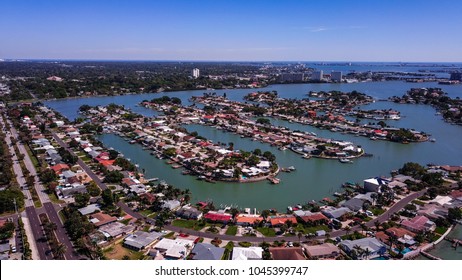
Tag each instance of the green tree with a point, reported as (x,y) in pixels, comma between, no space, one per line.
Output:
(108,198)
(81,199)
(93,189)
(454,214)
(263,121)
(47,176)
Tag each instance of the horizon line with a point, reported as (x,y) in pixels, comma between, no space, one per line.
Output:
(212,60)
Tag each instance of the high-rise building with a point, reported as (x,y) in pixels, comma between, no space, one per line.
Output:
(456,76)
(336,76)
(195,73)
(291,77)
(317,75)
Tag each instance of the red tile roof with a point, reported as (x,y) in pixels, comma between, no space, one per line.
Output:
(218,217)
(59,167)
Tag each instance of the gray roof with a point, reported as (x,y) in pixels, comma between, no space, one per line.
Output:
(371,243)
(366,196)
(73,190)
(171,204)
(354,204)
(141,239)
(90,209)
(205,251)
(335,212)
(68,174)
(93,153)
(4,247)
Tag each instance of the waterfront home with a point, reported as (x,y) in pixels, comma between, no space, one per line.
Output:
(287,253)
(171,204)
(141,240)
(219,217)
(250,253)
(371,245)
(322,251)
(247,219)
(311,218)
(419,224)
(189,212)
(277,221)
(174,249)
(148,197)
(205,251)
(374,184)
(335,213)
(354,204)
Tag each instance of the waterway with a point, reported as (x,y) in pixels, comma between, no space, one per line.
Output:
(314,178)
(445,250)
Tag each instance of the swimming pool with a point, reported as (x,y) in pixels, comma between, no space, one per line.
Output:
(404,251)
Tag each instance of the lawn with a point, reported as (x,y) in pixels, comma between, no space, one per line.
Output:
(441,230)
(32,157)
(314,229)
(418,202)
(228,249)
(268,232)
(147,212)
(377,211)
(232,230)
(117,252)
(170,235)
(192,224)
(55,199)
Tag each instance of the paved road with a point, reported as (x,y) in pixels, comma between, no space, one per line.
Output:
(44,249)
(30,166)
(60,231)
(17,168)
(49,209)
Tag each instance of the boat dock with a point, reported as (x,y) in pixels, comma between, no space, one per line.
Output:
(430,256)
(274,180)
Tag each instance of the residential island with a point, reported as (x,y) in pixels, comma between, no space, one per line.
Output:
(99,205)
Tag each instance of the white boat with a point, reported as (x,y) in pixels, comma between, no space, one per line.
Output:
(345,160)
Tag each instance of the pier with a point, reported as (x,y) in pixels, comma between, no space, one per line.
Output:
(455,242)
(430,256)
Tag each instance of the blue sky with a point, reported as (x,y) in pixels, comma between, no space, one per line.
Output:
(257,30)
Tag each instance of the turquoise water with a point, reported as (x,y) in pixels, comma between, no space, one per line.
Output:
(314,178)
(404,251)
(380,259)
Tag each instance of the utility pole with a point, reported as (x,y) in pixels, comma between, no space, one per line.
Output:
(15,206)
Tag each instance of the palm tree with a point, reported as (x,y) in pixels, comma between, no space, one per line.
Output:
(359,251)
(299,235)
(377,225)
(367,253)
(347,230)
(59,250)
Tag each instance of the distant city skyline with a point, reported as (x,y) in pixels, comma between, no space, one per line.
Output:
(180,30)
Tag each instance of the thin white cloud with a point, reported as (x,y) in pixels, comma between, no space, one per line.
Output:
(315,29)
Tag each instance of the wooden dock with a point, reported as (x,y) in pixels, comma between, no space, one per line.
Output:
(430,256)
